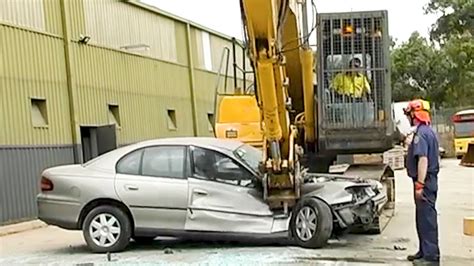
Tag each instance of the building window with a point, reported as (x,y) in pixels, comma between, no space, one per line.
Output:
(210,121)
(39,112)
(207,53)
(114,114)
(172,125)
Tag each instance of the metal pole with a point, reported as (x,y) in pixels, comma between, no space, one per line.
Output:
(191,80)
(304,6)
(226,69)
(244,72)
(234,63)
(77,155)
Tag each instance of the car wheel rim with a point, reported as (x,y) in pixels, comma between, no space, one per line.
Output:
(306,223)
(104,230)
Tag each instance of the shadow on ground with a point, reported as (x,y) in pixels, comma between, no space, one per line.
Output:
(184,244)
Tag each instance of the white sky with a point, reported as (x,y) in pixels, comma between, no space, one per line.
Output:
(405,16)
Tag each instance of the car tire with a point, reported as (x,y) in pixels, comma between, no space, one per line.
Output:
(107,229)
(311,232)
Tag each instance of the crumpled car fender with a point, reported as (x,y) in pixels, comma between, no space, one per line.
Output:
(331,192)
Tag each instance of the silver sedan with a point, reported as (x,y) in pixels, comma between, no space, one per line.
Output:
(187,186)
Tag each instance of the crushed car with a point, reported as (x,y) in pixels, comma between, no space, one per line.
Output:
(183,187)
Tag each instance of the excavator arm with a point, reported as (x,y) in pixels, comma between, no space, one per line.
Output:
(283,87)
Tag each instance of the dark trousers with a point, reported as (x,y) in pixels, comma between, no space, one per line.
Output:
(427,224)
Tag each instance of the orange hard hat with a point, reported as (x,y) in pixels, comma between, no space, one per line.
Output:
(420,109)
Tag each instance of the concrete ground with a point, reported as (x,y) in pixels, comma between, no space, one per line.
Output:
(52,245)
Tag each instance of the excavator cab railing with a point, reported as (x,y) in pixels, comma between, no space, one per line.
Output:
(237,115)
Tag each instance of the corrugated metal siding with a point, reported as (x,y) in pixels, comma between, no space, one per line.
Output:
(20,171)
(76,22)
(27,13)
(131,26)
(143,88)
(217,46)
(181,43)
(205,91)
(52,11)
(33,64)
(34,67)
(197,48)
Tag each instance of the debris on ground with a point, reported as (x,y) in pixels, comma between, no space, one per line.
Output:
(402,240)
(169,251)
(396,247)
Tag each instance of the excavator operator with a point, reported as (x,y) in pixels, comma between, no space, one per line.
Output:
(352,83)
(352,93)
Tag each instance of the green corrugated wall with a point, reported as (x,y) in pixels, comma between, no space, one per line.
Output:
(33,66)
(77,82)
(144,88)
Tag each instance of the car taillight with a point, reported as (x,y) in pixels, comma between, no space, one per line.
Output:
(46,184)
(456,118)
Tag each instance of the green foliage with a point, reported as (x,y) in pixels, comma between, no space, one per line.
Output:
(459,52)
(417,70)
(440,70)
(457,18)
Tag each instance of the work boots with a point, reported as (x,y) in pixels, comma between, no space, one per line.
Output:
(415,256)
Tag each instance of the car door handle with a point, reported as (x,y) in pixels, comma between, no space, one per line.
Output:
(131,187)
(200,192)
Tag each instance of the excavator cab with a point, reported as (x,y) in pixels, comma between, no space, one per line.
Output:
(354,94)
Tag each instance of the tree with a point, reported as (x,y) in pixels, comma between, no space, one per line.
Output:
(417,70)
(454,31)
(459,54)
(457,18)
(440,70)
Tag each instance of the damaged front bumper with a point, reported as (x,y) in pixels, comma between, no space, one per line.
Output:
(354,203)
(363,210)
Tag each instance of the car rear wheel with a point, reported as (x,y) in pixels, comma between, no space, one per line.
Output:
(107,229)
(311,223)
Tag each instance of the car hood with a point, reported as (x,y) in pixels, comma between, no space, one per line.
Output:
(332,192)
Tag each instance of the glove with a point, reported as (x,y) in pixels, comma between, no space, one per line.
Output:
(419,190)
(419,185)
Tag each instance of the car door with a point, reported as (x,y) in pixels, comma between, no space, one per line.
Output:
(153,184)
(223,196)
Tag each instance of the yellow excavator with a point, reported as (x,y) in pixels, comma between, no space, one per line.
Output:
(299,121)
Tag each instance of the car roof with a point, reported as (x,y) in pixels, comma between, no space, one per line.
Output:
(209,142)
(107,161)
(465,112)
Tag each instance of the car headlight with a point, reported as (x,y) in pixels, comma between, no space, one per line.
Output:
(379,186)
(370,192)
(376,185)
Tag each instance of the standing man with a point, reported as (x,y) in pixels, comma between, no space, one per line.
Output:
(423,168)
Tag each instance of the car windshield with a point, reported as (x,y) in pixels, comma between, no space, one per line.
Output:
(249,155)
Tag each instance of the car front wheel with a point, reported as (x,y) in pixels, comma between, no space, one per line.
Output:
(311,223)
(107,229)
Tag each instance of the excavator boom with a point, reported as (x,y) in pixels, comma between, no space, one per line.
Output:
(273,35)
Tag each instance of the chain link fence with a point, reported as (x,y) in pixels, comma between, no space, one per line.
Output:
(443,125)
